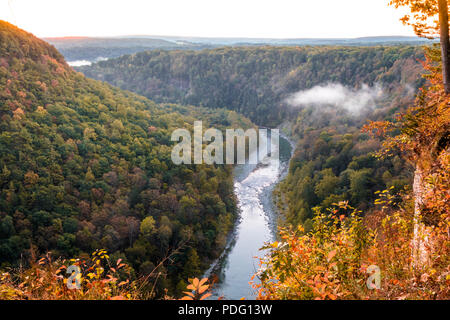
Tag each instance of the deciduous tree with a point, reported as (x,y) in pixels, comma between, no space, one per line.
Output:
(429,18)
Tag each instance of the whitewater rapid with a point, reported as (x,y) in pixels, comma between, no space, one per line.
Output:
(253,188)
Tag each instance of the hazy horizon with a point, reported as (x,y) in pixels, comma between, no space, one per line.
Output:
(225,37)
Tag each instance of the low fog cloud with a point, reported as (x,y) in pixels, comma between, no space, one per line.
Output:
(336,95)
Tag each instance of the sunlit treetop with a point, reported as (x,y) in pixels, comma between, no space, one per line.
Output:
(424,16)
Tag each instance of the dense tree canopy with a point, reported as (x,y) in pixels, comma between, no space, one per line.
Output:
(254,81)
(84,166)
(333,159)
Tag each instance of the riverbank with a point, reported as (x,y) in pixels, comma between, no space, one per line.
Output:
(255,225)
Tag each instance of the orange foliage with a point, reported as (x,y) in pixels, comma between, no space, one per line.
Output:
(423,17)
(46,279)
(198,289)
(336,258)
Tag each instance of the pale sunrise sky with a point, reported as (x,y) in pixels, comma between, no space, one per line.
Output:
(206,18)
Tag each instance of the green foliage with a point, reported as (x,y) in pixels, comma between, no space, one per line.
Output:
(335,161)
(255,81)
(85,165)
(147,226)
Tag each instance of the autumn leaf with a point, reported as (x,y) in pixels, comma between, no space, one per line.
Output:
(202,289)
(205,296)
(190,287)
(203,281)
(189,293)
(331,255)
(195,282)
(123,283)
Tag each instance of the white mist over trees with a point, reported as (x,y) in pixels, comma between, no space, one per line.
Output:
(337,95)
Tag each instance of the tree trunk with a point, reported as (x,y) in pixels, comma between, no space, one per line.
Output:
(421,241)
(445,43)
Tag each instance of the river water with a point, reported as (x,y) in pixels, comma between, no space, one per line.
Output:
(256,225)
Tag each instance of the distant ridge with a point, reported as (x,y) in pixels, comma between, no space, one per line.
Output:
(299,41)
(94,49)
(98,48)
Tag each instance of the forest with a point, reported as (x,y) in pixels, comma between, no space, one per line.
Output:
(87,179)
(333,159)
(255,81)
(85,166)
(348,199)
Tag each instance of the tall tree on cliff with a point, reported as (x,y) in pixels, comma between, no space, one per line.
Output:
(426,127)
(429,18)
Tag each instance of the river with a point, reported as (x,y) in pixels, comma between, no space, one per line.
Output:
(256,224)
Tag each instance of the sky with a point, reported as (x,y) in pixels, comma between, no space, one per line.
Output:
(206,18)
